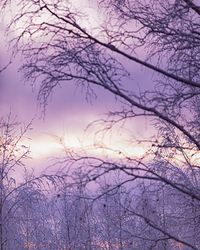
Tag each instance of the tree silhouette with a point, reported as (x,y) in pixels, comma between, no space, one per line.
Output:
(164,39)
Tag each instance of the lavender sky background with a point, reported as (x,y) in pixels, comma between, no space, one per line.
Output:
(68,112)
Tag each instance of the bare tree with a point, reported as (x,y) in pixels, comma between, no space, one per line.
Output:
(12,153)
(22,194)
(161,36)
(73,216)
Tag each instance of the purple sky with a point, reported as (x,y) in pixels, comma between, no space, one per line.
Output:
(68,112)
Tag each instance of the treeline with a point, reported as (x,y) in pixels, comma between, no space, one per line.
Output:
(84,207)
(68,218)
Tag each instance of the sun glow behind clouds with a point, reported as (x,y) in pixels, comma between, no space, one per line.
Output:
(43,147)
(50,146)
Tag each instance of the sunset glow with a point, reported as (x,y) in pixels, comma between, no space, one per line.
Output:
(48,146)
